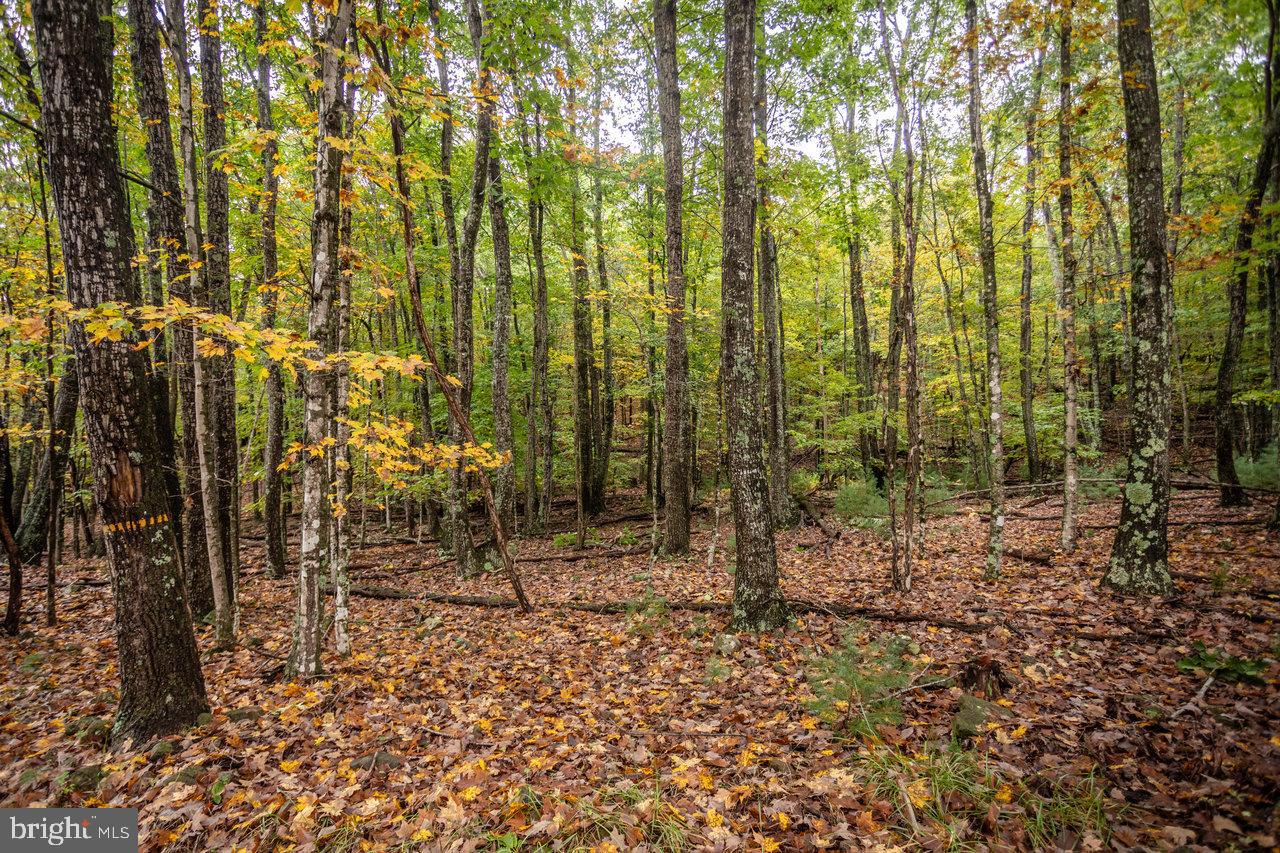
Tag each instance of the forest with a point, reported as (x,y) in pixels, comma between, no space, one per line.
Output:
(669,425)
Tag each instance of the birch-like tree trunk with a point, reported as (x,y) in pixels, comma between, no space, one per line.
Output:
(304,658)
(1067,292)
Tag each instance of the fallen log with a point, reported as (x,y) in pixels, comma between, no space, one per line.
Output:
(797,605)
(807,507)
(1044,558)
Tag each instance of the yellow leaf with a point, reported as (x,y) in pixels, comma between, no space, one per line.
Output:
(289,766)
(714,818)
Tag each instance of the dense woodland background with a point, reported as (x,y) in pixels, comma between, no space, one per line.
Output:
(961,318)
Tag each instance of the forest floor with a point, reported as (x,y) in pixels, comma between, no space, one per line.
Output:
(1115,723)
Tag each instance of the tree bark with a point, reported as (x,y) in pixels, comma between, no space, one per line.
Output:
(541,411)
(583,347)
(1025,377)
(785,511)
(1067,293)
(604,416)
(675,460)
(463,295)
(273,449)
(758,604)
(1139,556)
(503,439)
(1238,294)
(990,308)
(46,487)
(304,658)
(188,286)
(162,688)
(219,369)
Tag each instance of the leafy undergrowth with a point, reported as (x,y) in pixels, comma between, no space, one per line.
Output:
(480,728)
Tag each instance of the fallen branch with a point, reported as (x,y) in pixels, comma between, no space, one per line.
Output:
(1194,700)
(585,555)
(807,507)
(382,592)
(1044,558)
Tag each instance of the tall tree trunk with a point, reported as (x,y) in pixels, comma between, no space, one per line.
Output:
(863,369)
(503,439)
(1139,557)
(780,500)
(889,416)
(162,688)
(463,292)
(339,428)
(541,418)
(675,460)
(913,515)
(273,449)
(758,604)
(600,474)
(304,658)
(188,286)
(1237,292)
(583,347)
(46,487)
(990,308)
(1067,293)
(219,369)
(1025,377)
(164,221)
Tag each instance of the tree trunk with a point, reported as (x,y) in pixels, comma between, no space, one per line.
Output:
(541,404)
(990,308)
(785,511)
(273,450)
(1067,293)
(758,604)
(304,658)
(604,418)
(1025,378)
(463,292)
(186,284)
(219,369)
(503,439)
(1237,293)
(1139,557)
(583,348)
(46,487)
(675,461)
(164,221)
(162,688)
